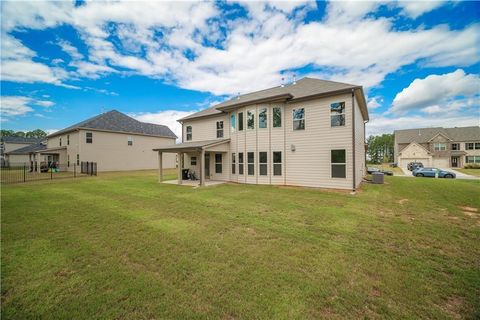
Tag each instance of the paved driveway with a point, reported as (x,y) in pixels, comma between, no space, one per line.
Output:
(460,175)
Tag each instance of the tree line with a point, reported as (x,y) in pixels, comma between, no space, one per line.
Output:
(37,133)
(380,148)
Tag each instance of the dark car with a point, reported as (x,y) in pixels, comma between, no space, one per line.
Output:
(414,165)
(371,170)
(432,172)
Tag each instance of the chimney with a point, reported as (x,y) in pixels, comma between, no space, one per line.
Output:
(294,79)
(283,82)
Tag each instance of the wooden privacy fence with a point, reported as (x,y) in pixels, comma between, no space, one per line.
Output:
(33,171)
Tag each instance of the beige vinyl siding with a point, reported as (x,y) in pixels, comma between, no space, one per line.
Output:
(206,128)
(309,164)
(8,147)
(359,145)
(18,159)
(112,153)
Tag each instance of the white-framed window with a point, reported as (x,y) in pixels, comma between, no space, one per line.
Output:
(232,122)
(251,119)
(218,163)
(240,121)
(89,137)
(189,132)
(240,163)
(130,140)
(277,163)
(219,129)
(477,146)
(469,146)
(440,146)
(338,163)
(193,161)
(337,114)
(233,163)
(455,146)
(472,159)
(262,118)
(298,119)
(251,163)
(263,163)
(277,117)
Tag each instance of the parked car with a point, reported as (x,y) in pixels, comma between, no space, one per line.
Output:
(371,170)
(431,172)
(414,165)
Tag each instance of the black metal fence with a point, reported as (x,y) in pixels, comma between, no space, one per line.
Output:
(33,171)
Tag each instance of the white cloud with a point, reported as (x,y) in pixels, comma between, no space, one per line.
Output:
(436,90)
(168,118)
(12,106)
(374,102)
(414,9)
(15,105)
(349,45)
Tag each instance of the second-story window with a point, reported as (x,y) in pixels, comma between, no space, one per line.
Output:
(262,118)
(130,140)
(219,129)
(440,146)
(89,137)
(240,121)
(455,146)
(277,117)
(251,119)
(189,133)
(68,139)
(299,119)
(60,141)
(232,122)
(337,114)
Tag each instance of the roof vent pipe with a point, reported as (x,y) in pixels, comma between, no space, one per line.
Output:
(283,82)
(294,79)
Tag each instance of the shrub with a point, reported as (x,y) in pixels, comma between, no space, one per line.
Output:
(472,166)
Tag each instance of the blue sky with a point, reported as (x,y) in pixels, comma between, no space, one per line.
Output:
(159,61)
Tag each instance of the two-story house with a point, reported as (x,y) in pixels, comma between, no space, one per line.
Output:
(307,133)
(437,147)
(10,149)
(115,141)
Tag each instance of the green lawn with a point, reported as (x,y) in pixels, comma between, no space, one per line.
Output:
(122,246)
(473,172)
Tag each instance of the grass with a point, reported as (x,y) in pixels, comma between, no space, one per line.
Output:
(472,172)
(124,246)
(397,171)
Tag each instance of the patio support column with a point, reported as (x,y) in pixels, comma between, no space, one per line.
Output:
(160,167)
(202,168)
(180,167)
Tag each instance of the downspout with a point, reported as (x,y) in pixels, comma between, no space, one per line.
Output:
(364,144)
(353,141)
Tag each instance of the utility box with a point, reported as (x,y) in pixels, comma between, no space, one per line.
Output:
(377,177)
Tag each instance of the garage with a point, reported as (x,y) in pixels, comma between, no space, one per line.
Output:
(441,163)
(405,161)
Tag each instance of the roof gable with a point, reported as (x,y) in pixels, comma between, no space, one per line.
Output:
(414,144)
(118,122)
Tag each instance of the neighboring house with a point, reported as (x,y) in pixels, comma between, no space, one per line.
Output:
(308,133)
(437,147)
(10,144)
(113,140)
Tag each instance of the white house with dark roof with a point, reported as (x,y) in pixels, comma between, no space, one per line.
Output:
(437,147)
(307,133)
(115,141)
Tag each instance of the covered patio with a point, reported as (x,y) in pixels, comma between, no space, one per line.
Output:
(199,154)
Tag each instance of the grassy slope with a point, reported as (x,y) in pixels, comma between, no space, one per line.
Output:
(473,172)
(126,247)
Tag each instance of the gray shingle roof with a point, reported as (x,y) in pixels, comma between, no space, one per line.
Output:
(21,140)
(29,149)
(116,121)
(423,135)
(303,88)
